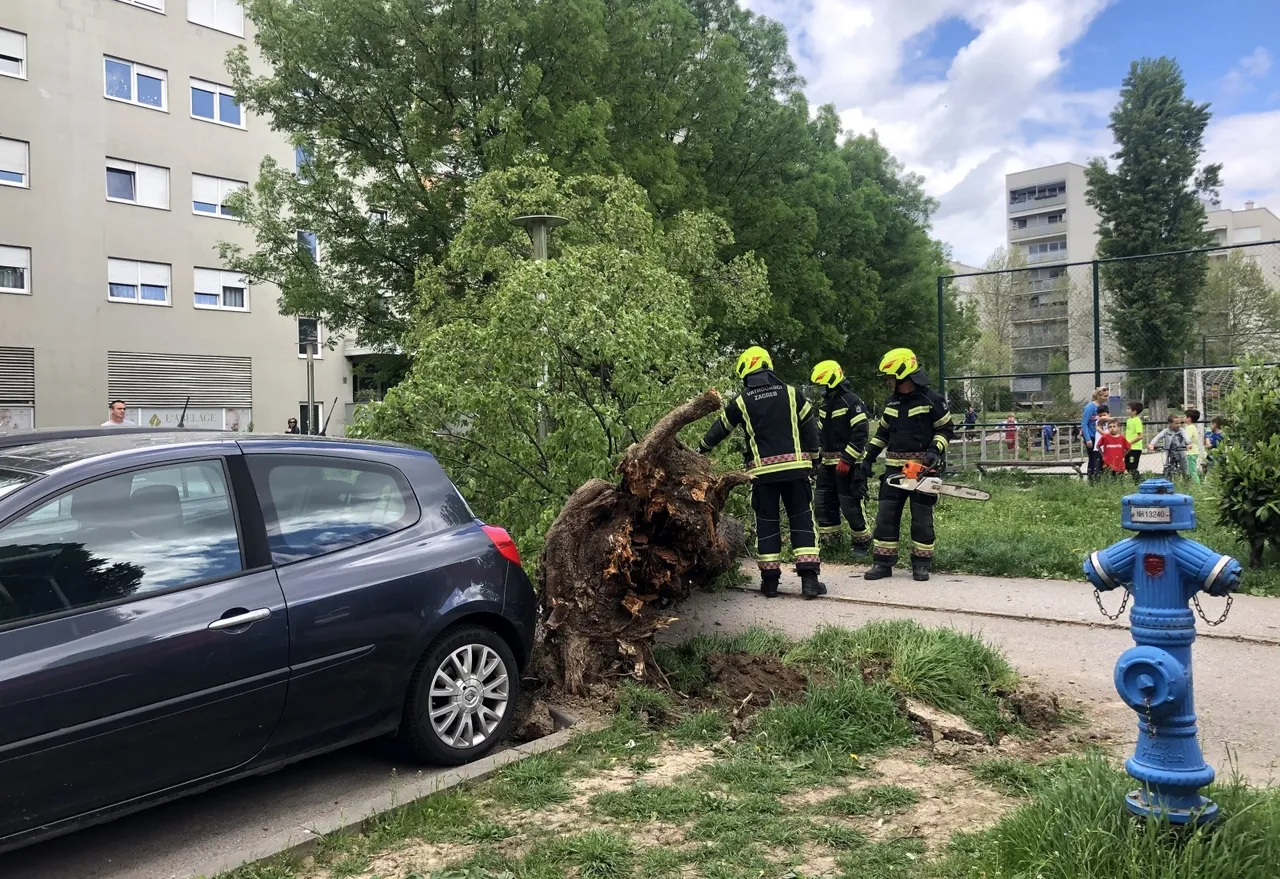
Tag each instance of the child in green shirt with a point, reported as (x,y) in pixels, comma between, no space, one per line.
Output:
(1195,442)
(1133,434)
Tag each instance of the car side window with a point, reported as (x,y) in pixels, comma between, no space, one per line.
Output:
(124,535)
(318,505)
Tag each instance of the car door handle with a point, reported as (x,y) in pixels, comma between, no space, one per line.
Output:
(241,619)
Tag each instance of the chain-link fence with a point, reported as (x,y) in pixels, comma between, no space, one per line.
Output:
(1167,329)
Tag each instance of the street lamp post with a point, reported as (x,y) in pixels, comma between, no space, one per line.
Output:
(538,226)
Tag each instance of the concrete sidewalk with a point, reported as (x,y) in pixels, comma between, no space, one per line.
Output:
(1052,632)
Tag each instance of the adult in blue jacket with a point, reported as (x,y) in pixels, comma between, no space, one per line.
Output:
(1089,431)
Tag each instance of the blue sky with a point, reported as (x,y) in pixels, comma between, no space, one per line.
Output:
(965,91)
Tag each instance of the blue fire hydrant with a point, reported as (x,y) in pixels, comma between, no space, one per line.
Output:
(1162,571)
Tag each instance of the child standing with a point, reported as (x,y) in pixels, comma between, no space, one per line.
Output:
(1213,439)
(1174,443)
(1195,442)
(1133,435)
(1113,447)
(1047,432)
(1011,432)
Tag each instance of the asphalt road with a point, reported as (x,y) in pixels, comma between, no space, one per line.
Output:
(1052,632)
(214,829)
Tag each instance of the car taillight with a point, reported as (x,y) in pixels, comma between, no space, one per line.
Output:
(502,540)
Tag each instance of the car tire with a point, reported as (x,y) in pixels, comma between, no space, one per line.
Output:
(462,697)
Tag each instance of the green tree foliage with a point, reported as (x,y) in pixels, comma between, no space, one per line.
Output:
(402,105)
(529,378)
(1151,203)
(1248,469)
(1238,314)
(992,302)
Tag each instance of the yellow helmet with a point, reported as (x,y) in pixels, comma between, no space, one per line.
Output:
(827,373)
(752,359)
(899,363)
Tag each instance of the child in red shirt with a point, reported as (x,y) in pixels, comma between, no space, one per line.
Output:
(1113,446)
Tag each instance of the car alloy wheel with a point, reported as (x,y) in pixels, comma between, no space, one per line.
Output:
(470,696)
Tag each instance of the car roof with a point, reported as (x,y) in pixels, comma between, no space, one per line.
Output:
(45,450)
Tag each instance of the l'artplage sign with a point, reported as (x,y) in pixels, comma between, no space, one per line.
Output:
(194,419)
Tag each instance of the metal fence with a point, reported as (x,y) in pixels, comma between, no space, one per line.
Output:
(1167,329)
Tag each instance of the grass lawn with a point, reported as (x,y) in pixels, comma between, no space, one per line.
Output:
(829,782)
(1045,526)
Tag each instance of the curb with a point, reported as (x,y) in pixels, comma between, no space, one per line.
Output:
(302,840)
(998,615)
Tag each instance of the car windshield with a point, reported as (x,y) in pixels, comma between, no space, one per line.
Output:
(12,480)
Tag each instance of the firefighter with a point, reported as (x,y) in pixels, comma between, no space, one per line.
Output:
(842,423)
(782,452)
(915,426)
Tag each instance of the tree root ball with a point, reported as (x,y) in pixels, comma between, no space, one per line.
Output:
(619,558)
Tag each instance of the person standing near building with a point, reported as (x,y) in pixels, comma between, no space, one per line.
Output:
(914,426)
(782,452)
(115,415)
(292,426)
(843,425)
(1133,435)
(1089,430)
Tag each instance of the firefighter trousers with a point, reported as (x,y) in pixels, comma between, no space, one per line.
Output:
(766,500)
(884,547)
(838,495)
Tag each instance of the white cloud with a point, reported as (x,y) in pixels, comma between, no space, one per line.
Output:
(999,106)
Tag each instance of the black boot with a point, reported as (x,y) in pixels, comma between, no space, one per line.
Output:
(860,549)
(769,583)
(920,568)
(809,585)
(879,570)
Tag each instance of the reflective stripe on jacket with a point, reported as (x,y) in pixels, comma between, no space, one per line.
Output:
(780,427)
(910,425)
(843,424)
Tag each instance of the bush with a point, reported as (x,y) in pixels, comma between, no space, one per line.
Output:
(1248,470)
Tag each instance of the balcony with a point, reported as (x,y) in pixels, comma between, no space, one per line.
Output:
(1040,230)
(1051,256)
(355,348)
(1055,311)
(1037,204)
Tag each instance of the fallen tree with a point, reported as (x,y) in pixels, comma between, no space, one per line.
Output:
(620,557)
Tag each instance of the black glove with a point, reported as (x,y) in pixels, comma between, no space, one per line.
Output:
(867,467)
(931,459)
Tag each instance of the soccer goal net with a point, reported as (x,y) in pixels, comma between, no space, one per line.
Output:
(1207,389)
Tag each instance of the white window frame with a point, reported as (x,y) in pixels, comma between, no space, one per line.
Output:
(137,264)
(25,148)
(137,169)
(8,37)
(149,5)
(298,237)
(225,188)
(215,7)
(223,279)
(134,69)
(218,91)
(25,255)
(319,355)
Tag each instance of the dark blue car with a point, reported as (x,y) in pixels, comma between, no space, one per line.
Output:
(178,610)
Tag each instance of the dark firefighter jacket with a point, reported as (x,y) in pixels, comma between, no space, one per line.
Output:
(911,425)
(842,421)
(782,432)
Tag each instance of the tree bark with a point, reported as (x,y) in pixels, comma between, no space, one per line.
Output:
(619,558)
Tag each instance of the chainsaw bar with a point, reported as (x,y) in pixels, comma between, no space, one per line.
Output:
(935,486)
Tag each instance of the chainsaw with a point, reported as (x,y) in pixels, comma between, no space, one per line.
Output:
(914,477)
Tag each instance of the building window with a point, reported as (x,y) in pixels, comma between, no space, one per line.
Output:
(135,84)
(13,54)
(307,242)
(209,195)
(215,103)
(309,334)
(153,5)
(136,183)
(146,283)
(301,160)
(221,15)
(14,162)
(376,215)
(15,269)
(221,290)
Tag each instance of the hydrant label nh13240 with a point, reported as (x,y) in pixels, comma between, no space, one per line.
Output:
(1161,515)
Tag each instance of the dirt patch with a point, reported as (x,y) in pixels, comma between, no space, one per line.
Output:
(1036,708)
(419,857)
(754,681)
(816,862)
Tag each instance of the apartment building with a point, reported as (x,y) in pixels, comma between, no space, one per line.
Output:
(1052,225)
(120,141)
(1247,226)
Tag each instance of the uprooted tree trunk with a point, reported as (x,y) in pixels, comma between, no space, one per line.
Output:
(620,557)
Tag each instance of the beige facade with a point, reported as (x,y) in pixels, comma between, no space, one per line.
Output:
(96,318)
(1244,227)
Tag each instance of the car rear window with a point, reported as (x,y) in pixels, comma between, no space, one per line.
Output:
(318,505)
(12,480)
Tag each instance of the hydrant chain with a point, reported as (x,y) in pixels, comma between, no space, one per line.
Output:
(1124,602)
(1195,599)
